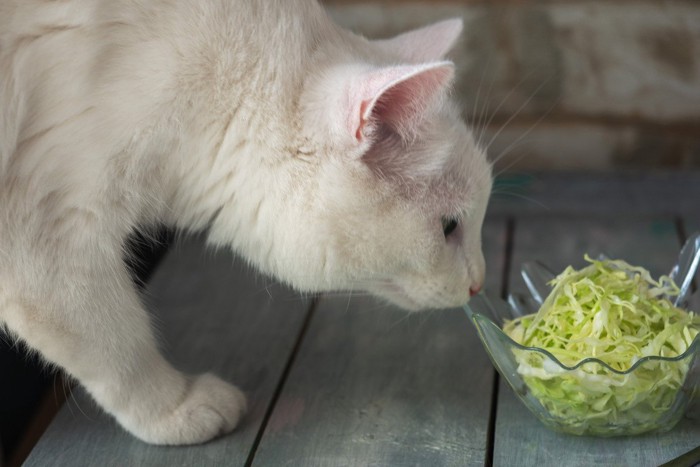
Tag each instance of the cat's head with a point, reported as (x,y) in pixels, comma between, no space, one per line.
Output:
(402,185)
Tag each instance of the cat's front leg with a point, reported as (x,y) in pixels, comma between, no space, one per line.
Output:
(104,339)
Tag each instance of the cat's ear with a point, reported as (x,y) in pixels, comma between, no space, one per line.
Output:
(397,96)
(428,43)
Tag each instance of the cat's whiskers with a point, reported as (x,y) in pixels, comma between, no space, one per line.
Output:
(267,289)
(425,316)
(517,112)
(513,144)
(476,114)
(347,304)
(504,99)
(523,197)
(486,113)
(481,118)
(400,321)
(69,395)
(67,388)
(354,294)
(481,131)
(55,387)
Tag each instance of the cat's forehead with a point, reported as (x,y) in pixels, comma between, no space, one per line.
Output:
(461,189)
(465,171)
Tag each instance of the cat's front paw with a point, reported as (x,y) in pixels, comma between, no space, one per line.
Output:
(210,408)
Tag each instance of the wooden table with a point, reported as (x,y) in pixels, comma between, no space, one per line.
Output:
(338,380)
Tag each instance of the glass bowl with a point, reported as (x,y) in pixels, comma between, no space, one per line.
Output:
(608,407)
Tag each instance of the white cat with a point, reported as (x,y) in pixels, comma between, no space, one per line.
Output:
(327,160)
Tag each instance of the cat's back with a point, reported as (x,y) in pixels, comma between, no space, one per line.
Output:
(127,58)
(43,53)
(66,61)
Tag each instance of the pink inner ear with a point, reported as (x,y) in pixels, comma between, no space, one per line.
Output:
(399,96)
(364,114)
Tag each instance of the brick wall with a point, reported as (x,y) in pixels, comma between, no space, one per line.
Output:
(568,84)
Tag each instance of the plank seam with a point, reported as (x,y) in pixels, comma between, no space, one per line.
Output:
(507,260)
(283,379)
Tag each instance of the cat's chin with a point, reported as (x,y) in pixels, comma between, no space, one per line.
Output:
(396,295)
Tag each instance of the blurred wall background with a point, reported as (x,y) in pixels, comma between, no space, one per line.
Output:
(566,84)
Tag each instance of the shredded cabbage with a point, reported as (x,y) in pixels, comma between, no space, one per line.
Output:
(616,313)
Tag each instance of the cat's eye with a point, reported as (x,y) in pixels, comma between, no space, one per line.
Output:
(449,224)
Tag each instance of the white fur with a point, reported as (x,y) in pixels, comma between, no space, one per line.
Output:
(258,120)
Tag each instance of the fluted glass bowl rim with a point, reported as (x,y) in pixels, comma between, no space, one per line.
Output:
(535,275)
(475,315)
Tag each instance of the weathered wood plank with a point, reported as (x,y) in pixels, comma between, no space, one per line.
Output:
(214,315)
(520,439)
(375,386)
(556,193)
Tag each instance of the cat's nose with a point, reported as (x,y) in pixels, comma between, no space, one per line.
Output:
(474,289)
